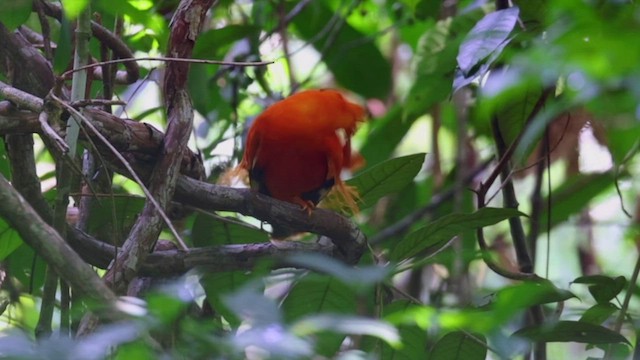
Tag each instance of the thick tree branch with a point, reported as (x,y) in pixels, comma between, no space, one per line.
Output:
(49,245)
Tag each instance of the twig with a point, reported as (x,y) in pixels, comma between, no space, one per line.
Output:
(167,59)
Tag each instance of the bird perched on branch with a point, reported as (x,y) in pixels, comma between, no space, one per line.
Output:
(297,148)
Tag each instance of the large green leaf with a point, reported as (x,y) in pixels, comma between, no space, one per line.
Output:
(14,12)
(386,178)
(522,296)
(112,217)
(571,331)
(598,313)
(353,58)
(438,233)
(315,294)
(386,133)
(459,345)
(208,230)
(603,288)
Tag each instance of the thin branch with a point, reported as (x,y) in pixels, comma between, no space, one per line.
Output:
(167,59)
(186,25)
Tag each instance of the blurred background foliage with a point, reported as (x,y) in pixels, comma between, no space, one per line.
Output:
(559,79)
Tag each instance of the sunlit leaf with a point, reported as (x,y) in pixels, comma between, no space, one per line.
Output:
(386,178)
(73,8)
(527,294)
(438,233)
(571,331)
(9,240)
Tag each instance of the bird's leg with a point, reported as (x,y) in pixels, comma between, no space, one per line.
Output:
(307,205)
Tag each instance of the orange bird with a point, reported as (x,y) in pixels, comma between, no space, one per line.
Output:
(297,148)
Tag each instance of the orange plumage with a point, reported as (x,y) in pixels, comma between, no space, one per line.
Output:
(294,151)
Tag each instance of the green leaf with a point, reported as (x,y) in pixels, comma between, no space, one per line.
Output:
(348,325)
(213,44)
(386,133)
(603,288)
(208,230)
(438,233)
(489,35)
(216,284)
(353,58)
(14,12)
(571,331)
(10,240)
(386,178)
(73,8)
(522,296)
(111,218)
(458,345)
(315,294)
(598,313)
(435,63)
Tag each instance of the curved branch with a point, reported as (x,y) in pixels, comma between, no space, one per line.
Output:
(119,48)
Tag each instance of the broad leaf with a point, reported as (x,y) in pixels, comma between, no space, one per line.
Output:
(527,294)
(458,345)
(386,178)
(208,230)
(315,294)
(571,331)
(437,234)
(598,313)
(603,288)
